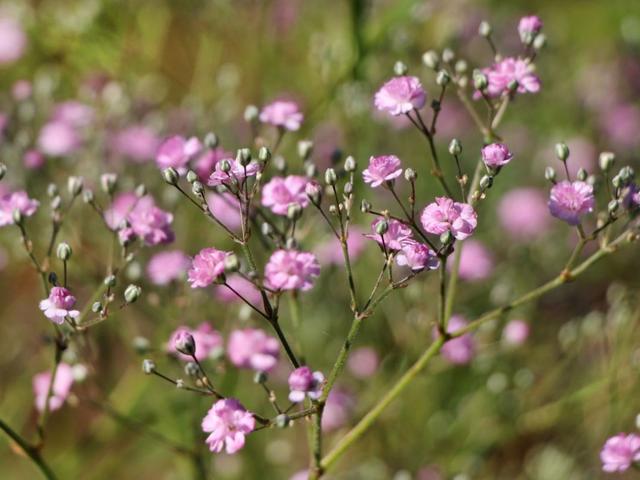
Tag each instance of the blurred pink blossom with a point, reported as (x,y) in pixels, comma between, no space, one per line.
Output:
(136,142)
(460,350)
(476,261)
(620,452)
(330,250)
(20,201)
(165,267)
(283,114)
(207,266)
(280,192)
(253,349)
(524,214)
(13,40)
(400,95)
(363,362)
(59,392)
(515,332)
(58,139)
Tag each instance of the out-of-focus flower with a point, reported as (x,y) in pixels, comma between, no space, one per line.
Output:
(281,192)
(136,142)
(515,332)
(476,261)
(254,349)
(363,362)
(291,270)
(417,256)
(330,251)
(400,95)
(21,90)
(460,350)
(58,139)
(496,155)
(382,169)
(205,164)
(502,74)
(528,28)
(569,201)
(20,201)
(227,422)
(446,215)
(207,340)
(176,152)
(394,236)
(73,113)
(206,267)
(241,285)
(164,267)
(59,391)
(337,410)
(282,114)
(237,172)
(59,305)
(32,159)
(303,382)
(120,209)
(226,208)
(524,214)
(151,223)
(620,452)
(13,40)
(621,124)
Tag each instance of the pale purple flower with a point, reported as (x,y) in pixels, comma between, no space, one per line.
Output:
(569,201)
(238,172)
(496,155)
(73,113)
(515,332)
(32,159)
(20,201)
(291,270)
(227,422)
(176,152)
(206,267)
(501,74)
(207,340)
(283,114)
(120,209)
(447,215)
(305,383)
(400,95)
(476,261)
(382,169)
(528,28)
(337,410)
(330,250)
(241,285)
(151,223)
(205,164)
(136,142)
(253,349)
(165,267)
(363,362)
(58,139)
(59,392)
(524,214)
(21,90)
(631,196)
(226,208)
(417,256)
(396,234)
(459,350)
(620,452)
(59,305)
(281,192)
(621,123)
(13,40)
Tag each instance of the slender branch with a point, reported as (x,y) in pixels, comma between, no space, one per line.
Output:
(29,450)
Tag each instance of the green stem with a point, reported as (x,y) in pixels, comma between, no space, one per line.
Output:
(30,451)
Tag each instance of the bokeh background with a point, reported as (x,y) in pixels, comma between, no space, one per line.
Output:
(539,411)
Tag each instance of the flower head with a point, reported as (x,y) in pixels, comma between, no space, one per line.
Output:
(417,256)
(496,155)
(281,192)
(254,349)
(569,201)
(382,169)
(165,267)
(291,270)
(523,213)
(206,267)
(227,422)
(207,341)
(620,452)
(303,382)
(13,40)
(59,391)
(205,164)
(515,332)
(446,215)
(73,113)
(460,350)
(476,261)
(58,139)
(59,305)
(136,142)
(501,75)
(176,152)
(528,28)
(395,235)
(237,172)
(19,201)
(283,114)
(150,223)
(400,95)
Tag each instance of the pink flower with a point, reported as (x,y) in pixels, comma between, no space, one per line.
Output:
(176,152)
(291,270)
(621,123)
(150,223)
(13,40)
(120,209)
(73,113)
(21,90)
(16,201)
(282,114)
(237,172)
(227,422)
(460,350)
(400,95)
(136,142)
(32,159)
(60,390)
(58,139)
(501,74)
(496,155)
(523,213)
(254,349)
(244,287)
(206,267)
(205,164)
(207,340)
(620,452)
(363,362)
(396,234)
(226,208)
(528,28)
(382,169)
(337,410)
(164,267)
(59,305)
(281,192)
(303,382)
(446,215)
(515,332)
(476,261)
(330,250)
(570,201)
(417,256)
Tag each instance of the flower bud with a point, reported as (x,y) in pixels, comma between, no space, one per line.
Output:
(96,307)
(443,78)
(52,278)
(141,190)
(264,154)
(484,30)
(461,66)
(305,149)
(63,252)
(626,174)
(430,59)
(191,369)
(540,41)
(109,281)
(251,113)
(243,156)
(382,227)
(562,151)
(148,366)
(333,210)
(582,174)
(612,206)
(225,166)
(330,177)
(550,174)
(400,68)
(211,140)
(616,181)
(132,293)
(185,343)
(606,161)
(310,170)
(283,420)
(87,196)
(291,244)
(141,345)
(266,229)
(313,191)
(3,170)
(56,202)
(260,377)
(192,176)
(74,185)
(486,182)
(294,210)
(448,55)
(365,206)
(52,190)
(197,188)
(170,176)
(17,216)
(350,164)
(108,182)
(480,80)
(455,147)
(410,175)
(446,237)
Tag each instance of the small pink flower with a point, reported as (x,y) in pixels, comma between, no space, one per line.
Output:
(330,250)
(400,95)
(291,270)
(236,173)
(509,70)
(282,114)
(528,28)
(417,256)
(32,159)
(303,382)
(151,223)
(73,113)
(396,234)
(460,350)
(136,142)
(281,192)
(13,40)
(515,332)
(382,169)
(253,349)
(227,422)
(16,201)
(58,139)
(120,209)
(570,201)
(496,155)
(337,410)
(226,208)
(363,362)
(205,164)
(176,152)
(59,305)
(523,213)
(241,285)
(446,215)
(206,267)
(165,267)
(60,390)
(207,340)
(620,452)
(21,90)
(476,261)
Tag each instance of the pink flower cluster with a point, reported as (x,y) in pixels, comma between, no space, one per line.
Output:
(503,74)
(496,155)
(177,151)
(446,215)
(207,340)
(305,383)
(291,270)
(253,349)
(570,201)
(400,95)
(282,114)
(417,256)
(236,172)
(281,192)
(19,201)
(145,220)
(59,391)
(207,267)
(136,142)
(59,305)
(620,452)
(166,267)
(528,28)
(397,233)
(382,169)
(227,423)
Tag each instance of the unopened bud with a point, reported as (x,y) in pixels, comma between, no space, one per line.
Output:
(260,377)
(540,41)
(231,263)
(185,343)
(282,420)
(486,182)
(191,369)
(251,113)
(17,216)
(448,55)
(550,174)
(365,206)
(294,210)
(52,190)
(63,252)
(87,196)
(96,307)
(291,244)
(132,293)
(461,66)
(626,174)
(170,176)
(3,170)
(108,182)
(410,175)
(56,202)
(382,227)
(582,174)
(443,78)
(74,185)
(266,229)
(430,59)
(562,151)
(280,164)
(141,190)
(109,281)
(400,68)
(243,156)
(612,207)
(606,161)
(148,366)
(348,188)
(192,176)
(225,165)
(52,278)
(197,188)
(350,164)
(330,177)
(455,147)
(484,30)
(305,149)
(480,80)
(446,237)
(211,140)
(313,191)
(264,154)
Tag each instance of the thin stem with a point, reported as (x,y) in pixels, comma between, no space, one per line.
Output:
(29,450)
(205,378)
(239,295)
(283,340)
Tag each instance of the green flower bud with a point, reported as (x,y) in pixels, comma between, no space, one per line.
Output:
(410,175)
(231,263)
(480,80)
(455,147)
(294,210)
(350,164)
(211,140)
(562,151)
(243,156)
(63,252)
(108,182)
(148,366)
(486,182)
(264,154)
(484,30)
(330,176)
(582,174)
(443,78)
(251,113)
(430,59)
(448,55)
(400,68)
(192,176)
(550,174)
(132,293)
(170,176)
(382,227)
(74,185)
(606,161)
